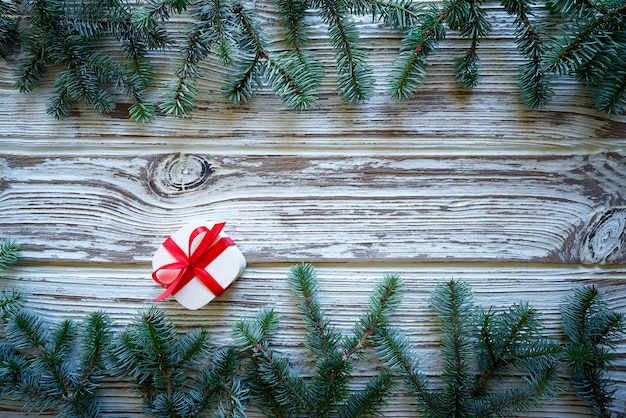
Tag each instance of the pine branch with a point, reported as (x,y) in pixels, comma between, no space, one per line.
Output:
(9,253)
(289,392)
(40,362)
(471,21)
(593,49)
(8,29)
(397,353)
(354,74)
(329,382)
(214,25)
(398,14)
(409,70)
(510,402)
(163,364)
(383,302)
(453,302)
(509,342)
(368,401)
(591,329)
(323,339)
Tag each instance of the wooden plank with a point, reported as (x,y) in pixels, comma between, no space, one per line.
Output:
(553,209)
(69,292)
(441,109)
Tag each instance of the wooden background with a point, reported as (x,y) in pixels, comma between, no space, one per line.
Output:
(472,185)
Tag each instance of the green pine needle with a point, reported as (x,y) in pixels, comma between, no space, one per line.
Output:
(9,253)
(591,328)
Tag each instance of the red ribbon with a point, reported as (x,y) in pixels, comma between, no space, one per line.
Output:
(193,264)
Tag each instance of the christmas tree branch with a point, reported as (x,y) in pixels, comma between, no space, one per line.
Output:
(9,253)
(591,328)
(355,76)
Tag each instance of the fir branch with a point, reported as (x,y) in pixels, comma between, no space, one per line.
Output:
(409,70)
(322,337)
(533,82)
(329,382)
(8,28)
(165,365)
(291,15)
(398,354)
(11,301)
(382,303)
(591,329)
(453,302)
(368,401)
(509,342)
(355,78)
(214,24)
(39,363)
(9,253)
(612,90)
(288,391)
(510,402)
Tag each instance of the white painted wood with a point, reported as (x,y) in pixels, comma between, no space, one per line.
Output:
(68,292)
(523,204)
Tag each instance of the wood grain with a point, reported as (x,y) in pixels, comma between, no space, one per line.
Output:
(523,204)
(68,292)
(441,109)
(283,208)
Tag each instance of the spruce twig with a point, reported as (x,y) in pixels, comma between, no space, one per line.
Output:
(327,392)
(497,343)
(591,328)
(9,253)
(165,366)
(52,367)
(70,38)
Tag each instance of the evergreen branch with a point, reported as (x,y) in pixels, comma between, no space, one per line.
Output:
(39,363)
(96,337)
(322,338)
(292,81)
(11,301)
(354,74)
(587,42)
(27,330)
(291,14)
(328,384)
(472,24)
(383,302)
(8,29)
(511,339)
(591,327)
(9,253)
(409,70)
(397,353)
(368,401)
(214,24)
(401,14)
(220,379)
(453,302)
(513,401)
(285,389)
(32,67)
(612,91)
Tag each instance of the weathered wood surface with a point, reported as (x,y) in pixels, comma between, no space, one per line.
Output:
(522,204)
(552,209)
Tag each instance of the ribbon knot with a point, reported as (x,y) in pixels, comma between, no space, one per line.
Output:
(193,263)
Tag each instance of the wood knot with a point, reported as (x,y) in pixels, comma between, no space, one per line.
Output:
(180,173)
(606,240)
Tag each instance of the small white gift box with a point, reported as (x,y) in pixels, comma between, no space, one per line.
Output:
(196,264)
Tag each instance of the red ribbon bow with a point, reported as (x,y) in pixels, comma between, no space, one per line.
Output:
(193,264)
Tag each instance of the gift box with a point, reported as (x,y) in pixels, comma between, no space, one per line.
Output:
(196,264)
